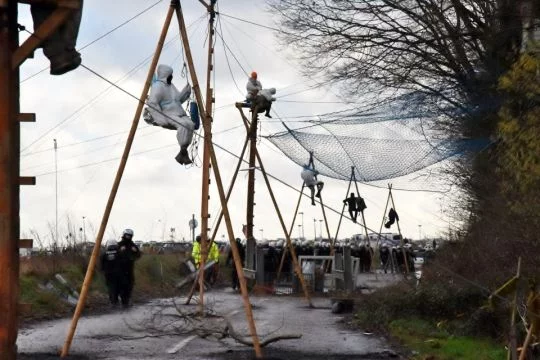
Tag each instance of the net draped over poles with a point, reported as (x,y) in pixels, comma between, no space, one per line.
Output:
(390,141)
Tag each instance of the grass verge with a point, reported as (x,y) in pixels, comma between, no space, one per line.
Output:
(155,277)
(426,341)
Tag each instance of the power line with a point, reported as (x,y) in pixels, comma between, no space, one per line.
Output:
(254,23)
(101,36)
(104,91)
(81,142)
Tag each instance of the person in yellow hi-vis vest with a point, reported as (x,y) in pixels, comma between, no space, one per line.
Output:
(213,255)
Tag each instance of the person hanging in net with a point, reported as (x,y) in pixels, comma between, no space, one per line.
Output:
(392,218)
(259,98)
(309,175)
(165,110)
(352,203)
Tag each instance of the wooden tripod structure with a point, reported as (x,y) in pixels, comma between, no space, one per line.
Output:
(11,57)
(209,159)
(293,254)
(389,200)
(364,225)
(251,139)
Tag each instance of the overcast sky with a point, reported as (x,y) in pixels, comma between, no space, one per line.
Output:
(157,193)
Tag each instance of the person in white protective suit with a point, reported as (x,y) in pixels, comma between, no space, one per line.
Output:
(165,110)
(253,87)
(258,97)
(309,175)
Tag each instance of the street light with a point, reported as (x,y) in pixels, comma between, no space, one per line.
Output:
(320,228)
(315,228)
(302,214)
(299,232)
(262,237)
(419,232)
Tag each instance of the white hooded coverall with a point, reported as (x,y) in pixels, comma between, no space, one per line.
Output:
(308,176)
(167,99)
(253,86)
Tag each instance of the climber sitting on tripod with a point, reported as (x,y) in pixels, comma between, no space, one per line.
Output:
(259,98)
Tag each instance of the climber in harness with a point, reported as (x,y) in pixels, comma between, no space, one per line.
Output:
(165,110)
(351,202)
(392,218)
(309,175)
(259,98)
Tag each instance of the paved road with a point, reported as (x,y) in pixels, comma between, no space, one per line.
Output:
(122,335)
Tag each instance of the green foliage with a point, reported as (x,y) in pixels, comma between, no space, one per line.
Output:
(437,301)
(519,130)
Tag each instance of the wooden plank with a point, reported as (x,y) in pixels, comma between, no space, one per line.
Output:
(27,180)
(27,117)
(26,243)
(53,22)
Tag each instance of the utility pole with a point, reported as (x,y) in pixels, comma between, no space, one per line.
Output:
(320,228)
(55,243)
(206,152)
(9,180)
(11,57)
(315,229)
(250,243)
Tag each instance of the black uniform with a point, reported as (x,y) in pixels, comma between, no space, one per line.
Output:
(351,203)
(128,252)
(113,273)
(235,281)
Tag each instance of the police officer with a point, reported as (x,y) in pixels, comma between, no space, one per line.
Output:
(112,271)
(128,253)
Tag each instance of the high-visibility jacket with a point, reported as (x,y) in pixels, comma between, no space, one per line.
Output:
(196,253)
(213,254)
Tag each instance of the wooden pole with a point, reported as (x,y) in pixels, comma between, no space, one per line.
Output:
(512,346)
(220,217)
(207,125)
(325,221)
(405,261)
(116,184)
(289,246)
(205,246)
(287,235)
(368,240)
(290,231)
(380,231)
(9,181)
(523,354)
(342,212)
(250,239)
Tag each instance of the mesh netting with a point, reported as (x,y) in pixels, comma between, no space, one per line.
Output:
(392,141)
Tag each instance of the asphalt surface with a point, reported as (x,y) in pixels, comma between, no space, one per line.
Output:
(152,331)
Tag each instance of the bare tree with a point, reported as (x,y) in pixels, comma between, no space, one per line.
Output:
(452,52)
